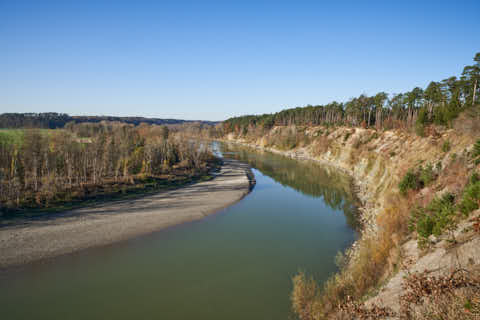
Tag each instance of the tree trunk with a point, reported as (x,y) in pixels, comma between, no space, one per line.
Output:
(474,92)
(369,111)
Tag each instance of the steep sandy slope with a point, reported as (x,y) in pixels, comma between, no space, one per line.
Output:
(377,161)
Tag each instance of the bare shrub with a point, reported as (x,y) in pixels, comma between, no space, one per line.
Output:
(453,296)
(375,257)
(353,310)
(304,297)
(357,278)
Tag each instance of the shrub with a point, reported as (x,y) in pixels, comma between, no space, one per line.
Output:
(304,297)
(476,149)
(420,129)
(409,182)
(421,222)
(434,219)
(356,277)
(446,146)
(443,210)
(341,260)
(471,195)
(426,175)
(417,179)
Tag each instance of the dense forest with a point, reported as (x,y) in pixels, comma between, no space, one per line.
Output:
(439,103)
(53,120)
(41,168)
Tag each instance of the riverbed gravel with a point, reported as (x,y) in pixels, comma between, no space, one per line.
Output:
(99,225)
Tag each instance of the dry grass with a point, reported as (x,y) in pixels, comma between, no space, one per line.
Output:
(321,145)
(455,175)
(305,297)
(374,259)
(377,257)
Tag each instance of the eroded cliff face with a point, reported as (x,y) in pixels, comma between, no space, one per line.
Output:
(377,161)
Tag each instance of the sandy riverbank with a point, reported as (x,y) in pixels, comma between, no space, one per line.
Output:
(105,224)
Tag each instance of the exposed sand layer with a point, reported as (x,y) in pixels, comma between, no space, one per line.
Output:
(105,224)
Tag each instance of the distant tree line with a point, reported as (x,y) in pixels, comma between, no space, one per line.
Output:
(53,120)
(55,165)
(439,103)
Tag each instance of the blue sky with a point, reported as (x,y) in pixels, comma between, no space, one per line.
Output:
(211,60)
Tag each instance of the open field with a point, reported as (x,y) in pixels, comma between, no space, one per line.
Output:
(15,136)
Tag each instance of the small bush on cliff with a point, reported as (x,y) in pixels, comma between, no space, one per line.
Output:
(433,219)
(409,182)
(471,195)
(446,146)
(476,149)
(420,129)
(426,175)
(417,179)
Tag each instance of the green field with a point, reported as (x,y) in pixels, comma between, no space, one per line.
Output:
(15,136)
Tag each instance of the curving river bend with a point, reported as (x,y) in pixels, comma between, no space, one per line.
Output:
(236,264)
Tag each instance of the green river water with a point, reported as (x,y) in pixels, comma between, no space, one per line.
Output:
(236,264)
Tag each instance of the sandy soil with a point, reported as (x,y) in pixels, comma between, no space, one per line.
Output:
(104,224)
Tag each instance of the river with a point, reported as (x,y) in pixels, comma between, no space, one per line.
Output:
(236,264)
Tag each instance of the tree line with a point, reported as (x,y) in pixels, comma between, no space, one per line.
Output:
(439,103)
(53,120)
(55,165)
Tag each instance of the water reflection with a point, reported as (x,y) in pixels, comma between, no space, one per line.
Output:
(307,177)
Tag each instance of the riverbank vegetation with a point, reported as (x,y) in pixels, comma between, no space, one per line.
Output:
(48,169)
(421,151)
(424,189)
